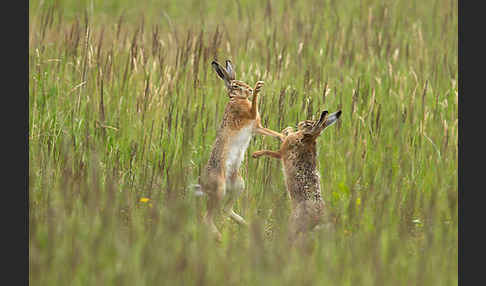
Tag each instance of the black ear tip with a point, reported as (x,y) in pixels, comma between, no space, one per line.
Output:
(338,113)
(214,63)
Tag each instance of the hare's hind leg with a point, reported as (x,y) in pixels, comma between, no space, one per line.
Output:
(236,185)
(298,222)
(294,228)
(304,218)
(215,192)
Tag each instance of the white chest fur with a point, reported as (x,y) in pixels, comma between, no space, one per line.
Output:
(237,148)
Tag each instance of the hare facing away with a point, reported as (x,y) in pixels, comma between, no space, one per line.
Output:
(299,158)
(220,180)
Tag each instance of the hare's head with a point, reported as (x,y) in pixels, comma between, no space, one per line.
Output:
(301,144)
(309,130)
(314,128)
(235,88)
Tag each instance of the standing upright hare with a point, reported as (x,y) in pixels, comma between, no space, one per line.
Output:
(221,179)
(299,157)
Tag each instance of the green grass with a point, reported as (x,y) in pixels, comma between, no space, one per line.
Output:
(123,104)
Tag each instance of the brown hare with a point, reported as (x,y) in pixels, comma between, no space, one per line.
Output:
(298,153)
(220,180)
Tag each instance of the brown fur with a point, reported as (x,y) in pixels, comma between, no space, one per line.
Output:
(298,154)
(221,179)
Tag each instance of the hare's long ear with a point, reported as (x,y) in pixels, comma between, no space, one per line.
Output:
(326,121)
(332,118)
(230,70)
(222,73)
(319,123)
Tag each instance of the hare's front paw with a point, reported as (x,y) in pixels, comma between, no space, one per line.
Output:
(256,154)
(287,131)
(258,86)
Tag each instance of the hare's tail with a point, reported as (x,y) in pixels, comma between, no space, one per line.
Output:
(196,189)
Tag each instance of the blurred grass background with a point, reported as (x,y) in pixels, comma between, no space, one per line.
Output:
(123,105)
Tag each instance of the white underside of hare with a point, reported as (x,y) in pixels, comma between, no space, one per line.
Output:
(236,149)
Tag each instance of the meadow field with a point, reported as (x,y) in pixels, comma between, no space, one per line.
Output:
(124,107)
